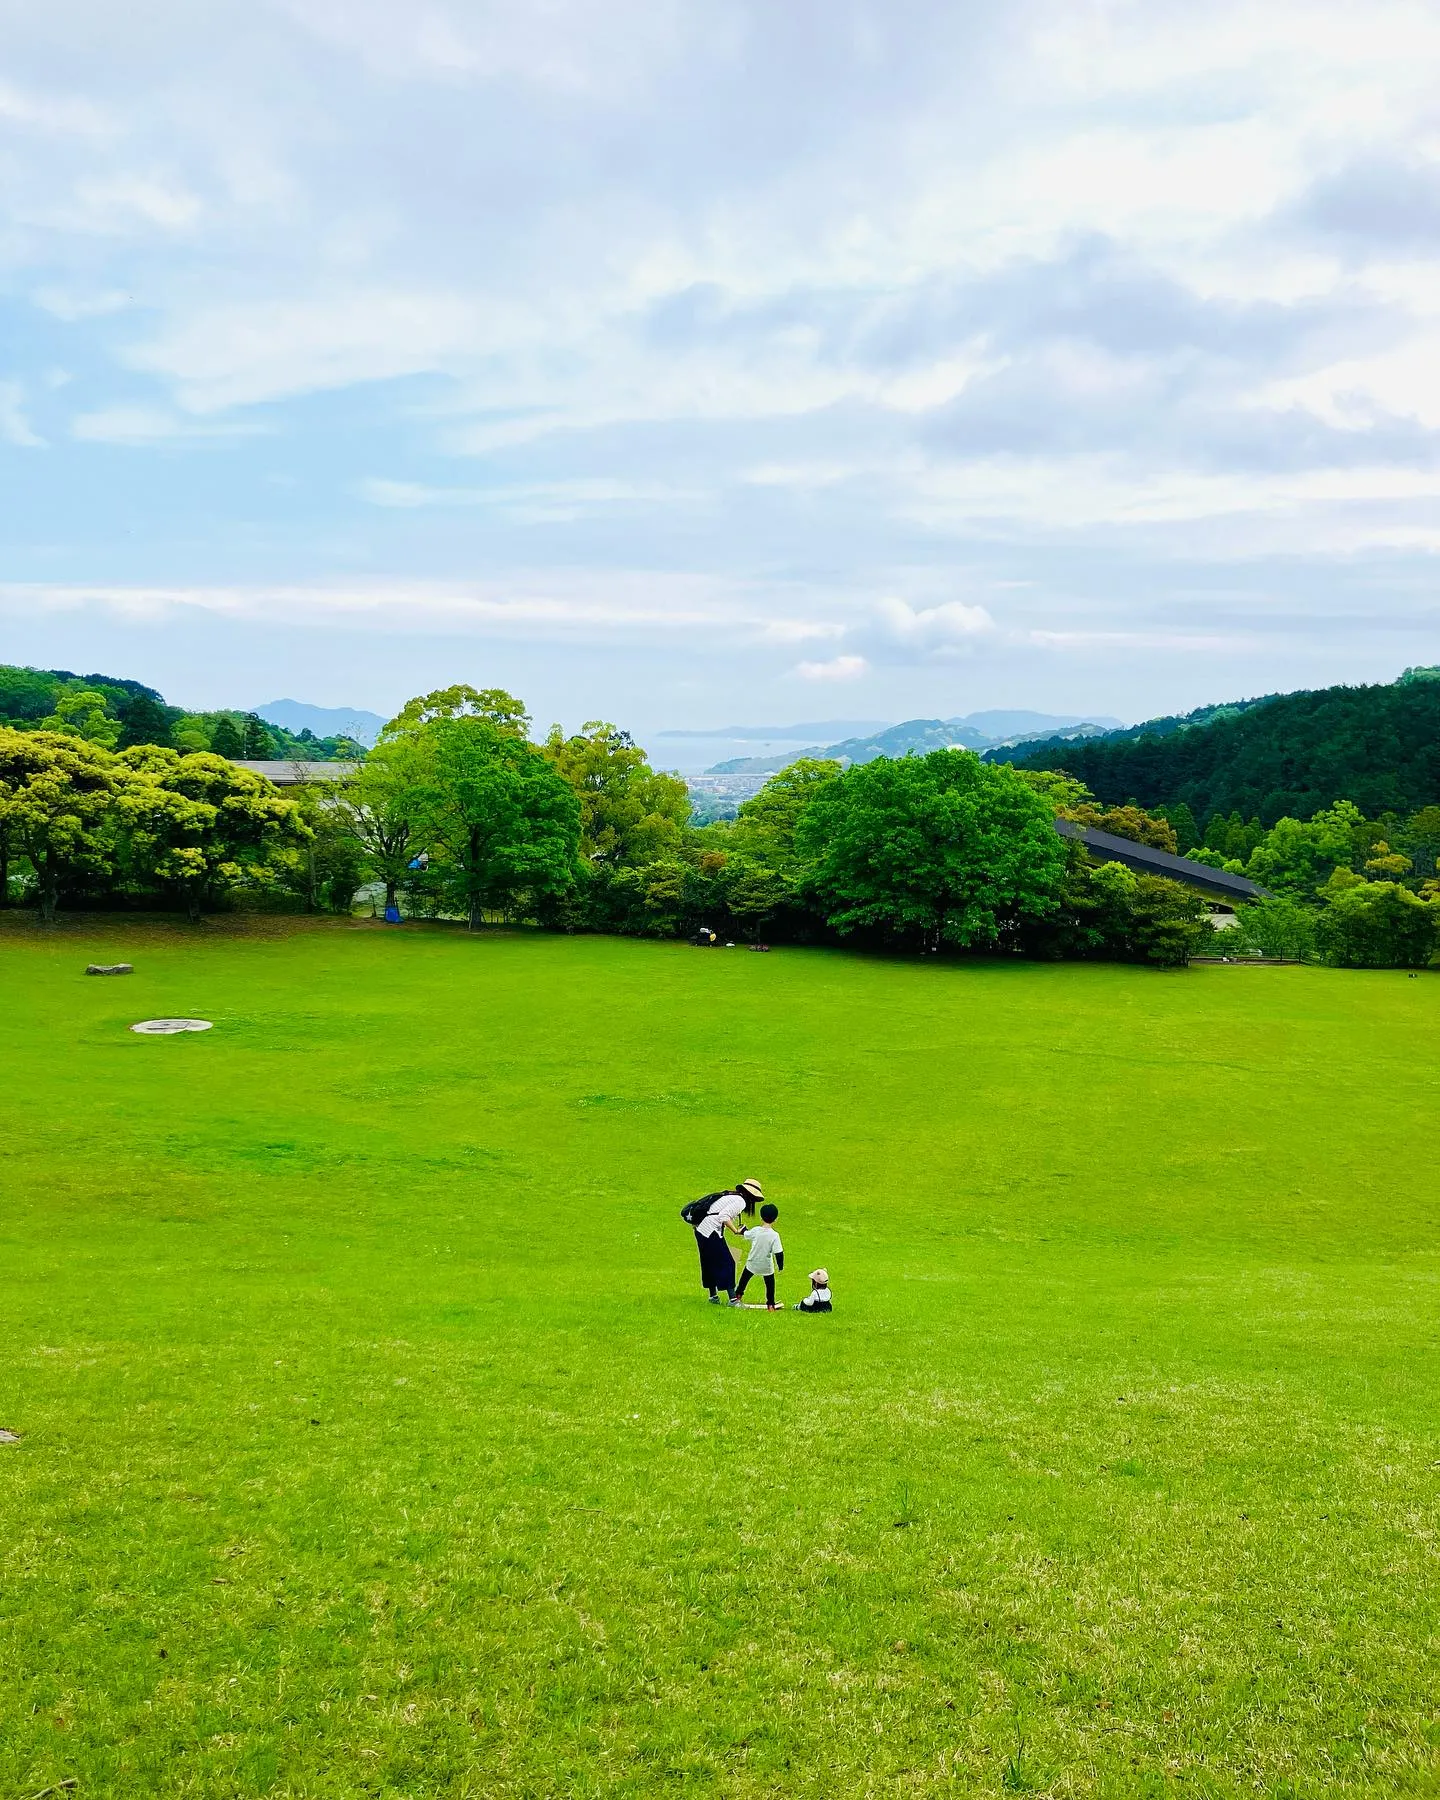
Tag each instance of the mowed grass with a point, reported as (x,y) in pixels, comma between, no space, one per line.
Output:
(377,1438)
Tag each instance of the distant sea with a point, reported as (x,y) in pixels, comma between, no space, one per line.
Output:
(693,755)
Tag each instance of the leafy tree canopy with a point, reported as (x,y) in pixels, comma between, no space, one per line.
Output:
(226,739)
(1379,924)
(630,814)
(765,826)
(383,805)
(204,826)
(57,805)
(146,720)
(501,822)
(943,847)
(80,712)
(462,702)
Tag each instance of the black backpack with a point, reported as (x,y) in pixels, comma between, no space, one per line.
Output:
(694,1211)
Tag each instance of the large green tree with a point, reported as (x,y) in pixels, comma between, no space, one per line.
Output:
(460,702)
(226,740)
(80,712)
(58,796)
(630,814)
(943,848)
(146,720)
(258,741)
(1297,857)
(500,822)
(383,803)
(764,828)
(205,827)
(329,864)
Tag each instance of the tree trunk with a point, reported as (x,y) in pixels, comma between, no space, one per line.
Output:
(192,905)
(4,872)
(49,889)
(391,888)
(477,917)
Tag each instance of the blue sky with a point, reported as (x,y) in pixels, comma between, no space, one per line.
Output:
(682,363)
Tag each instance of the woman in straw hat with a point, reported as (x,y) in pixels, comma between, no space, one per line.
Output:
(717,1265)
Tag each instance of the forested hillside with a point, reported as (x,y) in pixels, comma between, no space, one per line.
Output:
(1285,756)
(120,714)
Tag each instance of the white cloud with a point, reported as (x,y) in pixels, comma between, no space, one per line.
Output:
(15,427)
(535,502)
(60,303)
(150,199)
(839,668)
(625,606)
(64,114)
(139,426)
(911,299)
(934,627)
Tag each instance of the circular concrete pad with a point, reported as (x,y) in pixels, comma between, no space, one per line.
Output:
(167,1027)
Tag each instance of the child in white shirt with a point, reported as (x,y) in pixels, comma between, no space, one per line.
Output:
(818,1299)
(767,1254)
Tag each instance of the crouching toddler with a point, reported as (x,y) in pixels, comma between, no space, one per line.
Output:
(818,1299)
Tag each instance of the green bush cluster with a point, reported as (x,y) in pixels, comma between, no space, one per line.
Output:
(80,822)
(1358,892)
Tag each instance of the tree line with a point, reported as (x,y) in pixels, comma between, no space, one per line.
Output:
(458,813)
(1286,756)
(119,714)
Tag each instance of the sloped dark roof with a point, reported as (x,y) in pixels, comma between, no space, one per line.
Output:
(298,774)
(1237,889)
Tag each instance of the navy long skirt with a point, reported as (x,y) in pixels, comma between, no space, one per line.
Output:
(717,1265)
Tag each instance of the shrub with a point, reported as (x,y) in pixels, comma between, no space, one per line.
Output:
(1277,927)
(1379,925)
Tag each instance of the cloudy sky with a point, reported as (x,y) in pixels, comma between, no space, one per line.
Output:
(689,360)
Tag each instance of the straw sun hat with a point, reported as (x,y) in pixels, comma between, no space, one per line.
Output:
(750,1186)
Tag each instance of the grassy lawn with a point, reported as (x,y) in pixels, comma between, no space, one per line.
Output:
(377,1438)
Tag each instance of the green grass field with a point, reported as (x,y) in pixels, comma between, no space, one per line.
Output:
(377,1438)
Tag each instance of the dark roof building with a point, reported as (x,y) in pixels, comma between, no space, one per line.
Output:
(1218,883)
(298,774)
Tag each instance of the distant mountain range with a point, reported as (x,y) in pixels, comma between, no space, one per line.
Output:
(991,730)
(324,721)
(814,733)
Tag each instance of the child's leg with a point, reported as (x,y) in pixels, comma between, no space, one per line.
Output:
(769,1290)
(744,1283)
